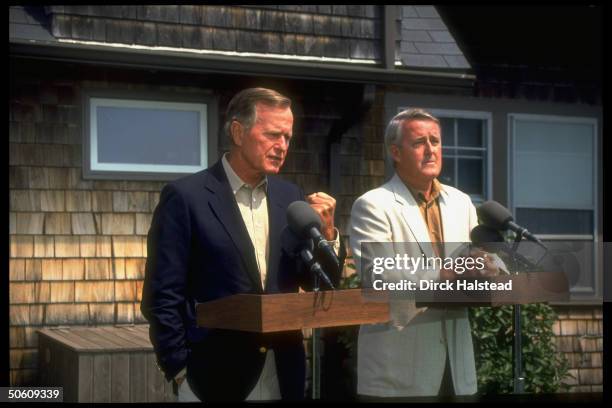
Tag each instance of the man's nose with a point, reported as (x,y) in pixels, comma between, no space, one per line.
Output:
(283,144)
(429,148)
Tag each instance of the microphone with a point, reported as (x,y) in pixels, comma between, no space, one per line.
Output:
(293,245)
(492,241)
(306,223)
(494,215)
(483,235)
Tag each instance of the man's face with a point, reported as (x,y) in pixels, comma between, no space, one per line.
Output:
(418,158)
(264,147)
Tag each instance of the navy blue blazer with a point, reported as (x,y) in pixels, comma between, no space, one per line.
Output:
(199,250)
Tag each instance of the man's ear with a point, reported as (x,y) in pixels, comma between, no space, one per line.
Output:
(395,152)
(236,132)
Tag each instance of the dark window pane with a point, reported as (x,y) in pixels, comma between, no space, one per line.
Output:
(544,221)
(470,132)
(148,136)
(471,176)
(447,176)
(448,152)
(447,128)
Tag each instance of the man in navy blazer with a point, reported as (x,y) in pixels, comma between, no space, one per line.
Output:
(207,241)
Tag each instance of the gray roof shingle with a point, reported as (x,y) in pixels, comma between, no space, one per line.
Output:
(29,23)
(426,40)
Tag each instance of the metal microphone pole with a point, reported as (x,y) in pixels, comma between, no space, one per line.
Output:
(517,358)
(316,357)
(317,272)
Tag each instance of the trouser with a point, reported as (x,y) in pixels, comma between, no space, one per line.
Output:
(446,388)
(266,389)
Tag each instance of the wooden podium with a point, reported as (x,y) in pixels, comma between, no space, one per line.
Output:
(292,311)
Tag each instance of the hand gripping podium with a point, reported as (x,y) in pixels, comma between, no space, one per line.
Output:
(291,311)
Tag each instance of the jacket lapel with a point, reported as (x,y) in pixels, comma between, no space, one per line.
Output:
(226,209)
(412,215)
(276,221)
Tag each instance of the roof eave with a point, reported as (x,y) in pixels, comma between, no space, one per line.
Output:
(206,63)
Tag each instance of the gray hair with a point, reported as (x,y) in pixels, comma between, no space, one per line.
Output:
(242,106)
(393,134)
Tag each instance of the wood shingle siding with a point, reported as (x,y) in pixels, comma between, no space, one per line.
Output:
(44,247)
(579,337)
(329,31)
(67,246)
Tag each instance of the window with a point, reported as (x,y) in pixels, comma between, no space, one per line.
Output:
(465,151)
(553,183)
(146,138)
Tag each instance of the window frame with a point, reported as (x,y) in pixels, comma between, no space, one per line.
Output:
(126,98)
(594,291)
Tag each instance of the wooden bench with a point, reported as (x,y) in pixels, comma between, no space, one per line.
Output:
(102,364)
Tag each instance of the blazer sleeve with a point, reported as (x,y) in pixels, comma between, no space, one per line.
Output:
(368,223)
(163,298)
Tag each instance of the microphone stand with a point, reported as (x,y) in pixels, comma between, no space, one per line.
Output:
(517,358)
(316,271)
(315,352)
(517,355)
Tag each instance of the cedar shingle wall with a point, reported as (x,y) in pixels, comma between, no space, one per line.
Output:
(362,160)
(78,247)
(579,336)
(338,31)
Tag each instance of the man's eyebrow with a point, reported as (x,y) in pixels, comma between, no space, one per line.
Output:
(275,131)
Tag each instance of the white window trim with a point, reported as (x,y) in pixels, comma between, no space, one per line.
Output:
(468,114)
(95,166)
(595,237)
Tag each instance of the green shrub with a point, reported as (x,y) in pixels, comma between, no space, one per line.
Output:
(492,335)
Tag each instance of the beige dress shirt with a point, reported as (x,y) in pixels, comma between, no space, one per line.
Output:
(253,206)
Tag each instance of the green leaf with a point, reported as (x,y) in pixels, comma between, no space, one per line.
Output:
(492,338)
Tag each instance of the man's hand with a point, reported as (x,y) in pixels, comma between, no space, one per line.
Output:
(324,205)
(178,380)
(490,268)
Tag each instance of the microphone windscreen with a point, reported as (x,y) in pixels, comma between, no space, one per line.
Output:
(482,234)
(494,215)
(301,218)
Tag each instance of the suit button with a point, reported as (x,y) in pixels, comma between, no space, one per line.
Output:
(262,349)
